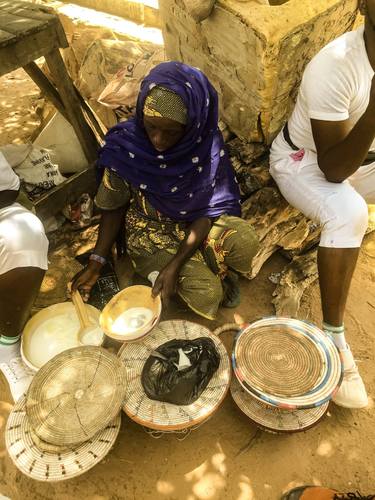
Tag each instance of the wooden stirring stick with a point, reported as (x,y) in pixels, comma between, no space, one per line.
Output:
(82,314)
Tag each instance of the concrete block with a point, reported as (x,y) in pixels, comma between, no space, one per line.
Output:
(255,53)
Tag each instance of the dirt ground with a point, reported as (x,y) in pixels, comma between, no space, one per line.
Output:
(226,458)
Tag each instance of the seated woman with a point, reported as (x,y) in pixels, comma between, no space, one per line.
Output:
(23,261)
(167,169)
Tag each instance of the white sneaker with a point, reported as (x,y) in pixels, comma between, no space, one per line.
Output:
(18,376)
(352,392)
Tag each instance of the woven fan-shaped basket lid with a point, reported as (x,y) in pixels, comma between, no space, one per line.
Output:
(165,416)
(273,419)
(48,466)
(287,363)
(75,395)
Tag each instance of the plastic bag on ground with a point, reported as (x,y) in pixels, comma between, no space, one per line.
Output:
(80,212)
(178,371)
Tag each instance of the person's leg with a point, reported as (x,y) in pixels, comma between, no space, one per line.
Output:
(343,215)
(198,286)
(336,267)
(18,290)
(23,261)
(363,182)
(229,250)
(341,261)
(231,243)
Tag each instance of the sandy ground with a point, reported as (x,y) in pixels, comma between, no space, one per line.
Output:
(226,458)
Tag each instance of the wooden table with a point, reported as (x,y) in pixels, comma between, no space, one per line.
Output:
(28,32)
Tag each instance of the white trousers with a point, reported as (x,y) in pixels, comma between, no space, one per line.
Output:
(341,209)
(23,242)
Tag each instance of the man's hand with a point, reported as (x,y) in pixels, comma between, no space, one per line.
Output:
(166,283)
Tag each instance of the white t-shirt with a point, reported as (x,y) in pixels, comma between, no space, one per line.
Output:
(335,87)
(23,242)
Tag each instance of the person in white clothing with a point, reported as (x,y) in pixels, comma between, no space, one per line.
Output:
(324,164)
(23,261)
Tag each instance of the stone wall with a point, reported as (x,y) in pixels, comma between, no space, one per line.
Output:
(255,54)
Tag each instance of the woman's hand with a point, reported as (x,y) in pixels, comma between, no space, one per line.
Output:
(166,283)
(86,279)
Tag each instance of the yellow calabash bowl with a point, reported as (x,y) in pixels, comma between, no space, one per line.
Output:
(133,296)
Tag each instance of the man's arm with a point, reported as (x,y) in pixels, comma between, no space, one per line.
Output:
(342,151)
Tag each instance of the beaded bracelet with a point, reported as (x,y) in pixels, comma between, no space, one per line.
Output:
(98,258)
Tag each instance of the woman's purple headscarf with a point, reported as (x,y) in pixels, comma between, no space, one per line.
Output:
(192,179)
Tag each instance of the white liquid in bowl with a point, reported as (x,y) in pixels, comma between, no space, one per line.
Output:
(132,320)
(56,335)
(92,336)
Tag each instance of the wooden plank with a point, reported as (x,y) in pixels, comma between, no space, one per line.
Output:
(37,75)
(72,104)
(47,87)
(21,26)
(17,55)
(53,201)
(28,10)
(10,4)
(97,126)
(22,19)
(6,37)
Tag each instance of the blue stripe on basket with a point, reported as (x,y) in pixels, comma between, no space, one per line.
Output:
(268,399)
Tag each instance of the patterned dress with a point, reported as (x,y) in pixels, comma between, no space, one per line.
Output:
(152,239)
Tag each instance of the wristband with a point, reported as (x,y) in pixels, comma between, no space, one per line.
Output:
(98,258)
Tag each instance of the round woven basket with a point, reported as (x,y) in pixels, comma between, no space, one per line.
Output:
(272,419)
(165,416)
(287,363)
(48,466)
(75,394)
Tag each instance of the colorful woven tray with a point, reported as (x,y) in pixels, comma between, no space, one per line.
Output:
(42,465)
(272,419)
(165,416)
(287,363)
(76,394)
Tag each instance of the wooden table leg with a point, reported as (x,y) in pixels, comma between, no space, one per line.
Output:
(71,103)
(47,87)
(37,75)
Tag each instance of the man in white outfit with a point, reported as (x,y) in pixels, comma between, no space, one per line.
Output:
(324,164)
(23,261)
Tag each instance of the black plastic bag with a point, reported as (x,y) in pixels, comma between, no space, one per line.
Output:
(178,371)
